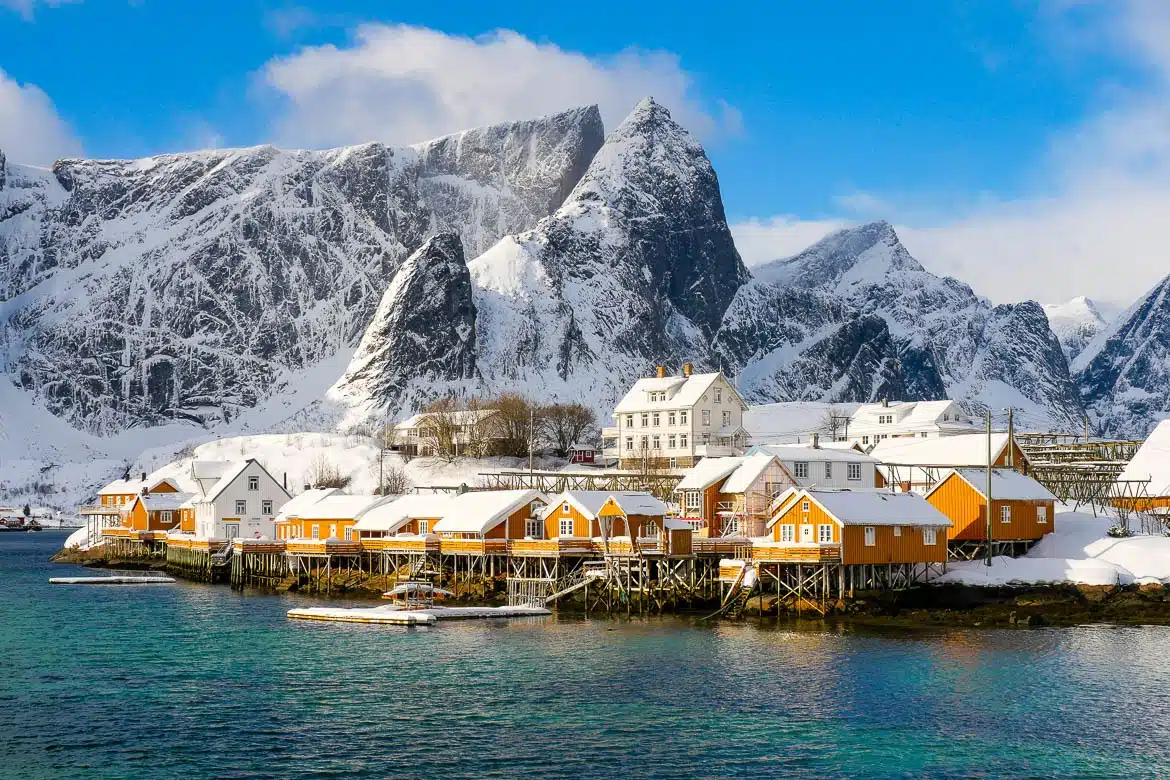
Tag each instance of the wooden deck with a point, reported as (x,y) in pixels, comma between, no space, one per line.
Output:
(552,547)
(322,547)
(824,553)
(473,546)
(402,544)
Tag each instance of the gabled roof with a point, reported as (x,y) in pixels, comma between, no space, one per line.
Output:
(396,511)
(232,473)
(786,421)
(907,412)
(339,506)
(1152,461)
(162,502)
(121,487)
(964,449)
(587,502)
(301,501)
(637,504)
(1006,484)
(681,391)
(209,469)
(874,507)
(748,472)
(707,472)
(478,512)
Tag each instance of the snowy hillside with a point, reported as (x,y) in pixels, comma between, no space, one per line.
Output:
(1075,322)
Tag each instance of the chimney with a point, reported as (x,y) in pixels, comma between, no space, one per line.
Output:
(286,480)
(816,441)
(144,476)
(886,403)
(688,369)
(308,487)
(662,372)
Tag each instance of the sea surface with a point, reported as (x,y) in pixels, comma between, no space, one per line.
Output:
(190,681)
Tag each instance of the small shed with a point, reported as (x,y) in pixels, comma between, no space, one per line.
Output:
(582,453)
(1021,508)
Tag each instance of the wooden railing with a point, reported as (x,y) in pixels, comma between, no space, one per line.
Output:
(558,546)
(473,546)
(404,544)
(322,547)
(794,554)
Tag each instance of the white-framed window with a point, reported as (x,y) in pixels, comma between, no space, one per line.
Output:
(824,533)
(671,418)
(929,537)
(726,417)
(800,469)
(694,499)
(946,417)
(656,442)
(630,443)
(645,419)
(682,441)
(231,530)
(673,463)
(804,506)
(671,441)
(924,434)
(348,533)
(718,395)
(1005,514)
(424,526)
(532,527)
(566,509)
(1041,514)
(645,442)
(655,419)
(828,469)
(865,440)
(566,526)
(854,471)
(241,506)
(788,533)
(870,536)
(897,530)
(629,421)
(167,517)
(253,483)
(682,417)
(316,532)
(706,417)
(266,506)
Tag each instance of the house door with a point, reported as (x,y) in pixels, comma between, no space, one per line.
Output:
(806,533)
(231,530)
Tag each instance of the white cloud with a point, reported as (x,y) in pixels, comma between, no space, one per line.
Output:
(402,84)
(25,7)
(762,240)
(31,131)
(1097,225)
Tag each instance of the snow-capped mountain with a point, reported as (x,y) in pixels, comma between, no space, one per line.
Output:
(1075,322)
(195,286)
(1124,372)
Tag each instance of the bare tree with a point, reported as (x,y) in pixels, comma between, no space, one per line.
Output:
(439,426)
(323,473)
(395,481)
(567,424)
(834,423)
(516,425)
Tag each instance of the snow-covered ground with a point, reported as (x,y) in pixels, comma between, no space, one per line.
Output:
(1078,551)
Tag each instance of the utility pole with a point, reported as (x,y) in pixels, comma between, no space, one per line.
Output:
(988,513)
(1011,454)
(531,436)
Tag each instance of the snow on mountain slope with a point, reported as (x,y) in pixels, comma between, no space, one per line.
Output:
(1124,372)
(1075,322)
(192,287)
(948,341)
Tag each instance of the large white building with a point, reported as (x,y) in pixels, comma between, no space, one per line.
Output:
(672,421)
(241,502)
(813,465)
(872,423)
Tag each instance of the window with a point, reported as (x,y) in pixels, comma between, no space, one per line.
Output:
(946,417)
(630,443)
(348,533)
(645,420)
(929,537)
(855,471)
(788,533)
(241,506)
(266,507)
(694,499)
(726,417)
(1005,514)
(167,516)
(923,434)
(673,463)
(870,536)
(897,530)
(657,442)
(718,395)
(645,442)
(671,440)
(424,526)
(804,506)
(1041,514)
(682,441)
(828,469)
(316,532)
(566,526)
(865,440)
(566,509)
(670,418)
(682,417)
(532,527)
(629,421)
(656,419)
(253,483)
(824,533)
(706,417)
(800,469)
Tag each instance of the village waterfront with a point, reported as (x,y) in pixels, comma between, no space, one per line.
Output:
(192,680)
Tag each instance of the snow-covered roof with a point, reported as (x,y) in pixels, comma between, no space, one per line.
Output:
(707,472)
(784,422)
(231,474)
(480,511)
(162,502)
(800,452)
(681,391)
(749,471)
(1006,484)
(1152,461)
(209,469)
(121,487)
(875,507)
(339,506)
(396,511)
(638,504)
(460,417)
(964,449)
(301,501)
(587,502)
(908,413)
(676,524)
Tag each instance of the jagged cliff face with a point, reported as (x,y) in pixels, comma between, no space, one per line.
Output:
(1124,373)
(1076,323)
(193,286)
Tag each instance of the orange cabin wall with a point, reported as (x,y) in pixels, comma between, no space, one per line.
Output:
(582,526)
(514,526)
(138,519)
(906,548)
(796,516)
(411,526)
(965,507)
(305,527)
(187,521)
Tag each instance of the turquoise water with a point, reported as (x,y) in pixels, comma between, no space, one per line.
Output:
(198,681)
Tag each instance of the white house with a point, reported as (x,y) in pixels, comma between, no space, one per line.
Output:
(242,502)
(917,464)
(825,467)
(672,421)
(872,423)
(422,433)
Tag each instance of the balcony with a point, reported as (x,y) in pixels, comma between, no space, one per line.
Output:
(610,432)
(779,552)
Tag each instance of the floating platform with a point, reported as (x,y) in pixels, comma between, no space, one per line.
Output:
(395,615)
(111,580)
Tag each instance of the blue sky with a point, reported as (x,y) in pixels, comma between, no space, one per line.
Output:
(955,120)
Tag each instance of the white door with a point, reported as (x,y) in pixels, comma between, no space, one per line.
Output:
(231,530)
(806,533)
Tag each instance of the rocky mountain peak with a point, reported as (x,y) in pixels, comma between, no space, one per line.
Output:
(862,254)
(1075,322)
